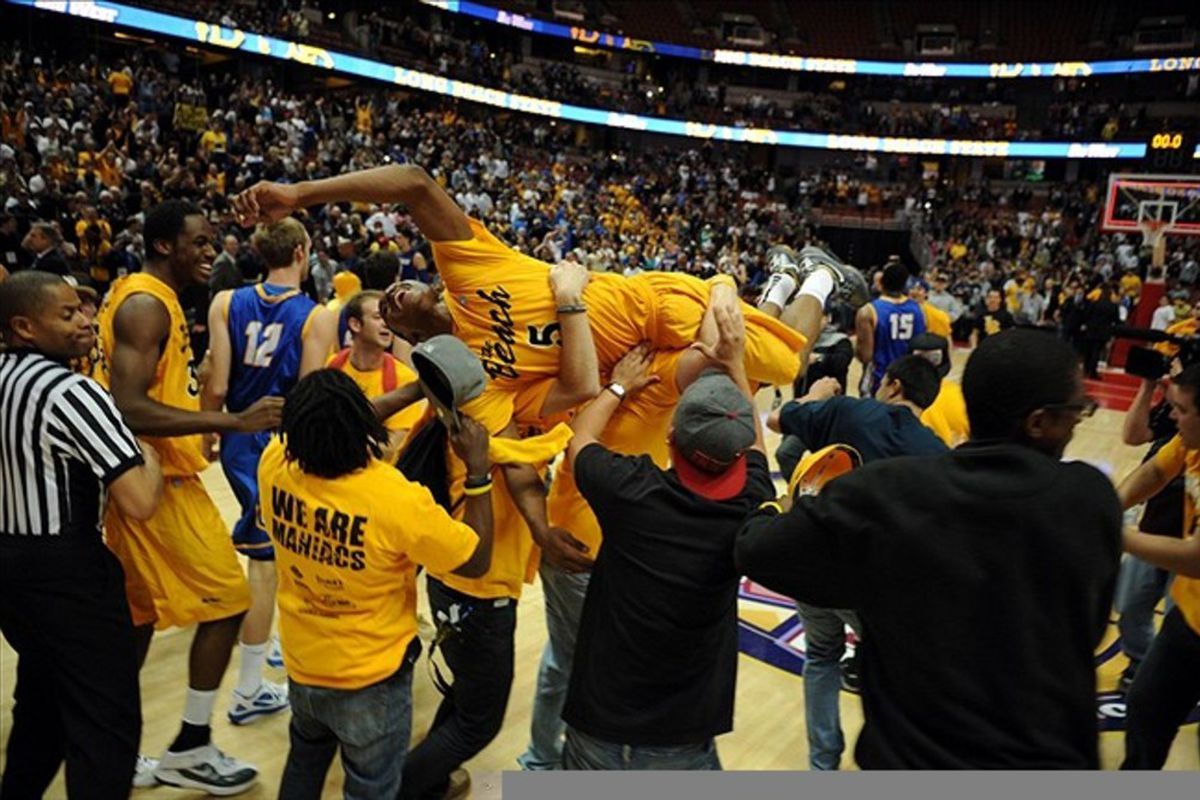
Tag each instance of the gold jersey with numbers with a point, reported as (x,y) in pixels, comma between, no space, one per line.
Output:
(174,384)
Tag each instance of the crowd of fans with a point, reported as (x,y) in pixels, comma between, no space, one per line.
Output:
(90,144)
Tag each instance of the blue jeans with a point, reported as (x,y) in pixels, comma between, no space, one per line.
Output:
(1139,588)
(583,752)
(564,595)
(825,644)
(791,450)
(372,727)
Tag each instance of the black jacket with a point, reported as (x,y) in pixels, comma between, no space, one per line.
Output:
(984,579)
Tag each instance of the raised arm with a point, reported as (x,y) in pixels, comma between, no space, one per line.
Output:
(1135,429)
(632,372)
(579,369)
(470,443)
(435,212)
(320,339)
(140,328)
(729,354)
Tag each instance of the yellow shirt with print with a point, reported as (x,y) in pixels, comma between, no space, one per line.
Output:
(213,142)
(947,417)
(371,384)
(1172,460)
(347,551)
(175,383)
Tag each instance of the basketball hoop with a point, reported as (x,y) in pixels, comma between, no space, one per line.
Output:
(1154,236)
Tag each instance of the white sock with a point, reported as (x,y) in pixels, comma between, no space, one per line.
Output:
(254,658)
(199,707)
(780,287)
(818,284)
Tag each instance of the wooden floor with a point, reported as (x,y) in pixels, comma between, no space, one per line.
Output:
(768,728)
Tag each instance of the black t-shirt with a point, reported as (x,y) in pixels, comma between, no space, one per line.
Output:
(1163,514)
(984,580)
(990,323)
(656,656)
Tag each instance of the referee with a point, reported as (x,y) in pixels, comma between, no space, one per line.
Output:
(63,446)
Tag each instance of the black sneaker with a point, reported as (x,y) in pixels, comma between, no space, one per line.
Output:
(850,680)
(849,285)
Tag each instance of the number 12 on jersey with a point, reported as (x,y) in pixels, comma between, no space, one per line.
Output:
(261,343)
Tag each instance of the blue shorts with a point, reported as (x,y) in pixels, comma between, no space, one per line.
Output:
(240,453)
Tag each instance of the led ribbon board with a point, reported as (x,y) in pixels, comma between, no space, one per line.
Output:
(847,66)
(207,33)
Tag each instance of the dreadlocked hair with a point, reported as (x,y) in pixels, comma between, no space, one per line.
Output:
(329,427)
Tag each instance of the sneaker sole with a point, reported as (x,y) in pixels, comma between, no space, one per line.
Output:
(249,716)
(184,782)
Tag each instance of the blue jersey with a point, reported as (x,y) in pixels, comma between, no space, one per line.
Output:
(895,326)
(266,328)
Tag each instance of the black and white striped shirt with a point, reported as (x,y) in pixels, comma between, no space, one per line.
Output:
(62,441)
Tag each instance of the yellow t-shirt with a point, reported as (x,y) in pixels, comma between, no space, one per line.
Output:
(175,382)
(371,384)
(120,82)
(1174,459)
(1131,285)
(213,142)
(947,417)
(937,321)
(346,550)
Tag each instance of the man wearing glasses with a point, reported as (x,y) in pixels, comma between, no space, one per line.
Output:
(983,577)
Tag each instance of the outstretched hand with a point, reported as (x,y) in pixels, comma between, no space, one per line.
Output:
(633,370)
(265,202)
(730,349)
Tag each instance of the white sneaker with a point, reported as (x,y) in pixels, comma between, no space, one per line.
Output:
(206,768)
(275,654)
(270,698)
(143,773)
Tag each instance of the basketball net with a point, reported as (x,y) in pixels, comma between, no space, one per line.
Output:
(1154,234)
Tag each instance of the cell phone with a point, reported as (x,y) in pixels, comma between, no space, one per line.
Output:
(1143,362)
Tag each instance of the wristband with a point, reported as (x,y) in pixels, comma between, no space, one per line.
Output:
(771,504)
(477,491)
(573,308)
(474,481)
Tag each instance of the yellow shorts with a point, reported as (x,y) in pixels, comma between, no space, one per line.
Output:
(772,348)
(640,425)
(180,565)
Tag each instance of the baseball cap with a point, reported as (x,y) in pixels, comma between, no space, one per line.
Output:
(713,427)
(934,348)
(451,372)
(918,282)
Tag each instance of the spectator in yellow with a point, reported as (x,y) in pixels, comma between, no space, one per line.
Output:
(937,321)
(120,83)
(370,364)
(1131,286)
(947,417)
(213,141)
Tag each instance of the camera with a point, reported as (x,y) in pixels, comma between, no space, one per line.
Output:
(1144,362)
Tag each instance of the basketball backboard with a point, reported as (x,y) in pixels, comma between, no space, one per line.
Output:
(1142,203)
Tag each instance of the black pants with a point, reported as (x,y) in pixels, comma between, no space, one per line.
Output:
(1092,350)
(64,611)
(480,653)
(1164,692)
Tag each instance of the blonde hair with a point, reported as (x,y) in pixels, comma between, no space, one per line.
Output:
(277,242)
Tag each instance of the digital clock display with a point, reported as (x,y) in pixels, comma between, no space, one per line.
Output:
(1166,141)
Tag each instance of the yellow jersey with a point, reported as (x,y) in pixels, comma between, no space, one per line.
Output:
(937,321)
(947,417)
(372,385)
(175,383)
(119,82)
(1172,460)
(346,551)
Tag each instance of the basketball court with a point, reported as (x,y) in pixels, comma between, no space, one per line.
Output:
(769,731)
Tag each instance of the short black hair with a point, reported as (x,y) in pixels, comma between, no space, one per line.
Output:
(895,278)
(165,222)
(1014,373)
(329,427)
(23,293)
(918,379)
(380,270)
(1189,380)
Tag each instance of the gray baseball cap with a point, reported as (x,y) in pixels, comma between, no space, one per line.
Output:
(713,428)
(449,370)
